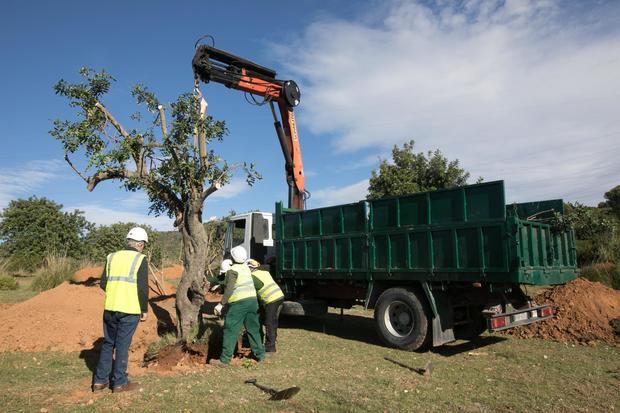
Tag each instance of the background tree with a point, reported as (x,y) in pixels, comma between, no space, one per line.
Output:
(613,201)
(173,166)
(102,240)
(33,228)
(411,172)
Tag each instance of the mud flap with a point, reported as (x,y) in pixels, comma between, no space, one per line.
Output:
(443,320)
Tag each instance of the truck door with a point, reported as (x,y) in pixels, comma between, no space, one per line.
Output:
(255,232)
(237,234)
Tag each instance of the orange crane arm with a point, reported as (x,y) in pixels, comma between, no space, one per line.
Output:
(214,65)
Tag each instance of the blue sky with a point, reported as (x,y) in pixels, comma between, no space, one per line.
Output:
(525,91)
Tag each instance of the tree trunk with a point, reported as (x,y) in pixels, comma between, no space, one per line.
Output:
(191,290)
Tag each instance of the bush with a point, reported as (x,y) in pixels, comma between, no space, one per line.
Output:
(607,273)
(7,283)
(55,271)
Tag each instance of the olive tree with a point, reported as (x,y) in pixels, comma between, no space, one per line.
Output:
(168,160)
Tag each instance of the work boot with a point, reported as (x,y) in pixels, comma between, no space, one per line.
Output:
(125,387)
(218,363)
(99,386)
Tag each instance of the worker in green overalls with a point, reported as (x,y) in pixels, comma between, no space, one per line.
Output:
(240,307)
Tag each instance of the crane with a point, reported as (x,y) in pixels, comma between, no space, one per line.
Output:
(214,65)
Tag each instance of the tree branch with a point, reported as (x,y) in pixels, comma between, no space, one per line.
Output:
(162,120)
(214,187)
(93,180)
(112,120)
(74,168)
(173,201)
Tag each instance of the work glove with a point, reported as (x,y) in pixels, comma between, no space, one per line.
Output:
(218,309)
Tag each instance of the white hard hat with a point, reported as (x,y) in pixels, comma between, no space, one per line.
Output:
(239,254)
(226,264)
(138,234)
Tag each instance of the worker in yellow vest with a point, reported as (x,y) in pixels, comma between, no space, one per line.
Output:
(125,282)
(241,309)
(270,297)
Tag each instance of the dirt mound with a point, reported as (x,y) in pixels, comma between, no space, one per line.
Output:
(69,318)
(88,273)
(585,311)
(92,275)
(173,272)
(179,358)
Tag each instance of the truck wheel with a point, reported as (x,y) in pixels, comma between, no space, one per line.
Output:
(401,319)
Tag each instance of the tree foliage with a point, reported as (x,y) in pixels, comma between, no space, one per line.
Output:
(613,200)
(31,229)
(411,172)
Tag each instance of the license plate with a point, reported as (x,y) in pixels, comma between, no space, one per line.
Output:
(519,317)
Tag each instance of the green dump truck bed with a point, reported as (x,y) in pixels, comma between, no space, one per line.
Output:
(462,234)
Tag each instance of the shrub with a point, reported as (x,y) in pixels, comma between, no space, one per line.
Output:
(54,271)
(7,283)
(607,273)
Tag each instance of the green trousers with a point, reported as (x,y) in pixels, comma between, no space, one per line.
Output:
(244,312)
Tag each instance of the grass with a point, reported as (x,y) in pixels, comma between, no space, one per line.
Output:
(341,367)
(55,271)
(7,282)
(22,293)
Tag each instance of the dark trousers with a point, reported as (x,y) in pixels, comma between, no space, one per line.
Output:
(270,320)
(118,330)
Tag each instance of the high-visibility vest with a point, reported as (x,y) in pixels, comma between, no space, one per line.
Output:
(244,287)
(270,291)
(121,291)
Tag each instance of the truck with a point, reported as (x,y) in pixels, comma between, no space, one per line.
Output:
(434,266)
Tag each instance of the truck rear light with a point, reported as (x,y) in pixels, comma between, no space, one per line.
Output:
(498,322)
(546,312)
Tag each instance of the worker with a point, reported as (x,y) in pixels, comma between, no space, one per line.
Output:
(125,282)
(241,309)
(271,298)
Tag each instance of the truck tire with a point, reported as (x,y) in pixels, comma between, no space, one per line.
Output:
(401,319)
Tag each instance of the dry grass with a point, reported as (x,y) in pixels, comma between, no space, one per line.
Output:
(54,271)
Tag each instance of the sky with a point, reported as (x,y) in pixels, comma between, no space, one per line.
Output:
(523,91)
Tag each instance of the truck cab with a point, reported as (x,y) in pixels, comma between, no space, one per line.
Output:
(253,230)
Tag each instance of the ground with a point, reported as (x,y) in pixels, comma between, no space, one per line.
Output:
(339,365)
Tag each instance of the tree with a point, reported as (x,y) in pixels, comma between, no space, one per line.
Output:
(33,228)
(613,200)
(102,240)
(173,166)
(414,172)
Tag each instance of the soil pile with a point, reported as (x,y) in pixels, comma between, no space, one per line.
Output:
(69,318)
(585,312)
(91,275)
(66,318)
(173,272)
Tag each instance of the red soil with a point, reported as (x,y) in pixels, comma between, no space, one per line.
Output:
(584,312)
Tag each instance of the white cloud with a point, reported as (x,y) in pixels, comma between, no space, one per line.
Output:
(525,91)
(23,182)
(231,190)
(107,216)
(335,196)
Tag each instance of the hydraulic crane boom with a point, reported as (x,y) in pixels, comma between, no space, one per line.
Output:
(211,64)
